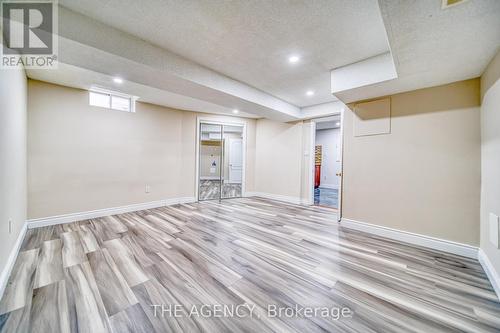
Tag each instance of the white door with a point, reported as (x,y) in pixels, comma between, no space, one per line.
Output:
(235,160)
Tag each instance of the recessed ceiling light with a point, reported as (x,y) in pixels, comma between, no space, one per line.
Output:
(118,80)
(309,93)
(236,111)
(293,59)
(337,124)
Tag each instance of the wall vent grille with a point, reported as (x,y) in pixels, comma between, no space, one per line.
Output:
(451,3)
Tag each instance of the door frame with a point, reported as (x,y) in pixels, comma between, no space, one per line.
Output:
(312,162)
(215,121)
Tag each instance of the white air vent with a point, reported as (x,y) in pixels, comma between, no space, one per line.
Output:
(451,3)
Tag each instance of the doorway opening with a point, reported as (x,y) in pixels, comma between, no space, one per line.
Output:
(327,168)
(220,160)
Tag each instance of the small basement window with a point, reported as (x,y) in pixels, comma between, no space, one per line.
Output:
(112,100)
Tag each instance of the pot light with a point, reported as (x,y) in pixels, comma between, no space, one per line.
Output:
(309,93)
(118,80)
(236,111)
(293,59)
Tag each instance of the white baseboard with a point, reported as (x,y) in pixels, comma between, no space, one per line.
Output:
(412,238)
(11,260)
(73,217)
(284,198)
(306,202)
(329,186)
(492,274)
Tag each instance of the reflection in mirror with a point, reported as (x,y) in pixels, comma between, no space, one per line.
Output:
(210,161)
(232,170)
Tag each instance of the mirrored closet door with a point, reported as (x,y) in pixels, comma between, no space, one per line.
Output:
(220,162)
(210,160)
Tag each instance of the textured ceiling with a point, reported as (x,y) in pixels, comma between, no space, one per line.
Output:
(214,56)
(432,46)
(427,39)
(97,48)
(251,40)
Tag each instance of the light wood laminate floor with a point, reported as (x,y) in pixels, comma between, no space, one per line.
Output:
(210,190)
(103,275)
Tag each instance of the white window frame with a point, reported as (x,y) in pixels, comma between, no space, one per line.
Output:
(111,94)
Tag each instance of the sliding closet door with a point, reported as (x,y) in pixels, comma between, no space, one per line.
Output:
(210,162)
(232,166)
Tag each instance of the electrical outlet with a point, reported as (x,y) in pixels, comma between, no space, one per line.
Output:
(10,226)
(147,189)
(494,229)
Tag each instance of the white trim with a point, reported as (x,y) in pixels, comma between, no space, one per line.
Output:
(215,121)
(278,197)
(490,271)
(341,178)
(73,217)
(7,270)
(412,238)
(312,160)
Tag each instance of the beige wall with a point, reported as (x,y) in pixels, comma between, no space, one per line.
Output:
(83,158)
(278,163)
(490,156)
(13,90)
(423,177)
